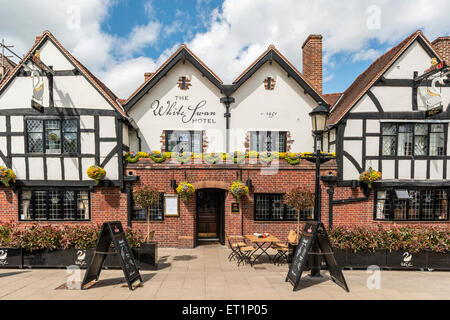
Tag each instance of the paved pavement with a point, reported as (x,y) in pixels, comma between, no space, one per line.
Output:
(206,273)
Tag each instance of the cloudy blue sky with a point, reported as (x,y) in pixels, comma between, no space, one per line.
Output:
(119,40)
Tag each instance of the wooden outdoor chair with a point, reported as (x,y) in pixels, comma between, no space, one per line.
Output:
(284,249)
(235,242)
(245,254)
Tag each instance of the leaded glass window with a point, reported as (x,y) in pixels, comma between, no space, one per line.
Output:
(156,211)
(389,135)
(184,141)
(383,205)
(52,136)
(437,140)
(270,141)
(421,139)
(422,204)
(413,139)
(54,204)
(270,207)
(405,140)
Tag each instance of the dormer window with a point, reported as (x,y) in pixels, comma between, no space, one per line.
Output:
(184,83)
(269,83)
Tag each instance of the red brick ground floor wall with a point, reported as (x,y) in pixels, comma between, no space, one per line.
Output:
(110,204)
(362,213)
(107,204)
(181,231)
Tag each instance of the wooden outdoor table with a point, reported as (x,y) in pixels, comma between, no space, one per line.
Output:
(260,242)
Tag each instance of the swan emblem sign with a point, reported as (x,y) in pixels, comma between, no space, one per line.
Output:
(432,95)
(3,257)
(407,257)
(81,258)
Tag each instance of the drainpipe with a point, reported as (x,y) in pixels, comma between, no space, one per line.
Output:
(330,192)
(227,101)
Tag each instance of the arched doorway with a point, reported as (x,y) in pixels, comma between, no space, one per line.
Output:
(210,212)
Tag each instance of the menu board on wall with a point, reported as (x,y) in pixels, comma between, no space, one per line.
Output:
(171,205)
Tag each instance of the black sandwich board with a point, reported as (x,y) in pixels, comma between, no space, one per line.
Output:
(112,232)
(314,233)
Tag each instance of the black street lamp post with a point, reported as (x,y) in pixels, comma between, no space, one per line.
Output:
(318,116)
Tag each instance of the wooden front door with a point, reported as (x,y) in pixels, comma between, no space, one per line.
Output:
(208,213)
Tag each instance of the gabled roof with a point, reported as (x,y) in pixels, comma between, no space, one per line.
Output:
(272,54)
(332,98)
(183,53)
(100,86)
(8,65)
(366,79)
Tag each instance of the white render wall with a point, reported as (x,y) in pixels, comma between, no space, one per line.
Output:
(286,108)
(394,99)
(208,117)
(69,92)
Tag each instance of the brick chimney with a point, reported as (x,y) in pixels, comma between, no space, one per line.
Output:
(148,75)
(312,60)
(442,46)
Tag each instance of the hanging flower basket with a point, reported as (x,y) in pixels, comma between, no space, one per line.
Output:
(238,189)
(96,173)
(370,176)
(7,175)
(185,190)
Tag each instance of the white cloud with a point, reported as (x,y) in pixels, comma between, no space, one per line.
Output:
(235,35)
(149,9)
(140,37)
(256,24)
(128,75)
(364,55)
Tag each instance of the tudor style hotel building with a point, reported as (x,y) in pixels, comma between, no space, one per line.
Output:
(391,118)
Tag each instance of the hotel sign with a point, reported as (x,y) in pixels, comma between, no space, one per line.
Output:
(182,108)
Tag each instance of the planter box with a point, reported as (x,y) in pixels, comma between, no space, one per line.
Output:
(405,260)
(146,258)
(341,257)
(11,258)
(48,258)
(438,260)
(362,260)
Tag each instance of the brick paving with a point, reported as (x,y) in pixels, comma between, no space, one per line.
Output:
(206,273)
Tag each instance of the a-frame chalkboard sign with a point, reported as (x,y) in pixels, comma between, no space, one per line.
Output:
(314,231)
(112,232)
